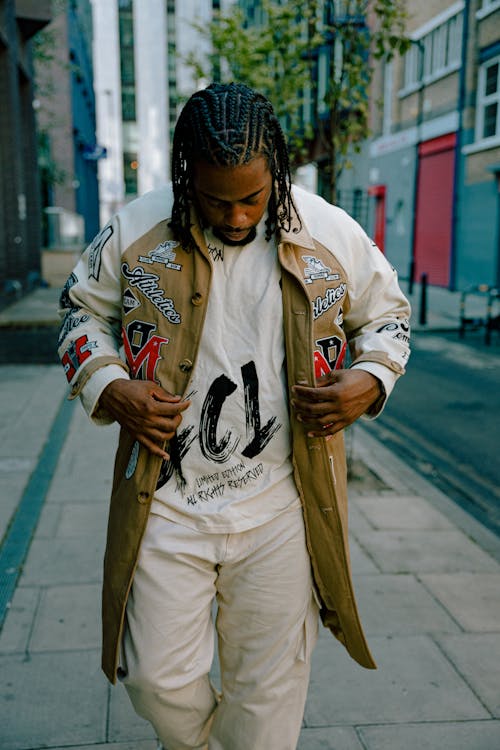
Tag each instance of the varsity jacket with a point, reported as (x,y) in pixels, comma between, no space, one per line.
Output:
(135,306)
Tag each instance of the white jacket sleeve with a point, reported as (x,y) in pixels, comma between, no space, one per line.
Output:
(90,307)
(377,322)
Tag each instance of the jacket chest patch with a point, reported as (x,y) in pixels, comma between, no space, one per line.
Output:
(147,284)
(315,270)
(321,304)
(164,254)
(329,355)
(142,348)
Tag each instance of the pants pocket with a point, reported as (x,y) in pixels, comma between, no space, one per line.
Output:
(309,632)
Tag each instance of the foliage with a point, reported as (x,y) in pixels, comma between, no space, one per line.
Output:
(280,55)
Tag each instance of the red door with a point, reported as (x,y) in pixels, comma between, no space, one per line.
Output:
(434,209)
(378,192)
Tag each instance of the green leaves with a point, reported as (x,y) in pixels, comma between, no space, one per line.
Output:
(281,53)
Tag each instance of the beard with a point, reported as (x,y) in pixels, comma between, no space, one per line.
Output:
(252,234)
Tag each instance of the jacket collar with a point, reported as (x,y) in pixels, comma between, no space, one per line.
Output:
(297,234)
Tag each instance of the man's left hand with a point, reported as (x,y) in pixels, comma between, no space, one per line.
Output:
(339,398)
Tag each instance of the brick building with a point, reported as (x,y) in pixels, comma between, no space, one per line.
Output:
(432,167)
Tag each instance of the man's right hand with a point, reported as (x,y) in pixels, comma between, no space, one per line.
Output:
(145,410)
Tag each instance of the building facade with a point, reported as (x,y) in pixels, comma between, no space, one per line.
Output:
(67,127)
(20,235)
(141,80)
(432,167)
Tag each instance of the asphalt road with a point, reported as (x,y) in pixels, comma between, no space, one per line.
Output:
(444,419)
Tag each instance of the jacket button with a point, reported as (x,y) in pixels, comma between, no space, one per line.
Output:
(185,365)
(197,298)
(143,497)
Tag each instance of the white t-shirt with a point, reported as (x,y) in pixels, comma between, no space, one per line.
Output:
(234,440)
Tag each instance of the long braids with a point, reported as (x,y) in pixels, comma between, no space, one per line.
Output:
(229,125)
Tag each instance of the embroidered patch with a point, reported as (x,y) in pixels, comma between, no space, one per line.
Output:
(95,252)
(329,356)
(130,301)
(73,318)
(316,270)
(164,254)
(147,284)
(142,348)
(322,304)
(76,354)
(399,329)
(64,300)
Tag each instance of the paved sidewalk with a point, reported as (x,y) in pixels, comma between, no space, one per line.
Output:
(427,577)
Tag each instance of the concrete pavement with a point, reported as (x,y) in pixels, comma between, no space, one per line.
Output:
(427,578)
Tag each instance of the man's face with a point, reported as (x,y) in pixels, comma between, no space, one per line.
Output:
(232,200)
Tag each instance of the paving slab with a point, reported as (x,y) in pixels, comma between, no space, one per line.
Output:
(16,631)
(145,745)
(425,552)
(68,618)
(81,519)
(414,682)
(329,738)
(31,395)
(471,735)
(360,561)
(473,599)
(123,723)
(477,658)
(49,520)
(395,511)
(357,520)
(399,605)
(53,562)
(52,699)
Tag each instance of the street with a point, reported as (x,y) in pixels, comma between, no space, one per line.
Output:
(443,418)
(426,574)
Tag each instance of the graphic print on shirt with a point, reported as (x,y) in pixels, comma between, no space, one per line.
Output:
(329,355)
(215,252)
(164,254)
(316,270)
(142,348)
(95,252)
(217,449)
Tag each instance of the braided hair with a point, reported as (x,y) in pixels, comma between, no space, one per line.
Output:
(229,125)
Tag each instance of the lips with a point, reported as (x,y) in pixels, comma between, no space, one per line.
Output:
(235,235)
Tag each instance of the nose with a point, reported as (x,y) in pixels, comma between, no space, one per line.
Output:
(235,216)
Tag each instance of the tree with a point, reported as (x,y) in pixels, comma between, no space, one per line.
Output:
(283,51)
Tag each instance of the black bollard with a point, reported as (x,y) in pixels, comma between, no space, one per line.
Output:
(422,319)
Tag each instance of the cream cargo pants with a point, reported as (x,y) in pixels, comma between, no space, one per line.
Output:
(266,624)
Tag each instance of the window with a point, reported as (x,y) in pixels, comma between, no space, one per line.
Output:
(435,51)
(488,100)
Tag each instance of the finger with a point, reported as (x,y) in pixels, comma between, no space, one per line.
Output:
(154,448)
(167,409)
(308,394)
(160,395)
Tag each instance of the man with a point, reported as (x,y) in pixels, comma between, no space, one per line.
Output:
(234,298)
